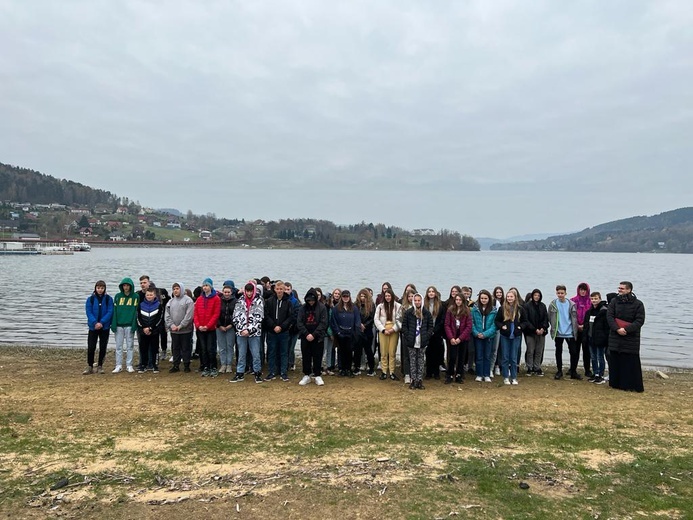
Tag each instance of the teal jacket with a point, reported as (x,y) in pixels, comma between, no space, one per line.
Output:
(125,307)
(483,324)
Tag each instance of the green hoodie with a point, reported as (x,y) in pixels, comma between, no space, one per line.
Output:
(125,307)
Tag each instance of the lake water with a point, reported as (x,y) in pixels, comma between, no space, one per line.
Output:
(42,301)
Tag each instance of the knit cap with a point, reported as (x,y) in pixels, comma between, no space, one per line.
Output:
(230,284)
(208,281)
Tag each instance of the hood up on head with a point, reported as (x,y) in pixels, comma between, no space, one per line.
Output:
(128,281)
(182,288)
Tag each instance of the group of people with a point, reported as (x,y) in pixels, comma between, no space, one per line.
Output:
(260,323)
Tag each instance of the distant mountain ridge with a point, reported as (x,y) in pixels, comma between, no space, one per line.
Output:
(487,242)
(670,231)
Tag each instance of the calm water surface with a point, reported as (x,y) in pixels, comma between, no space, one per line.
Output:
(42,300)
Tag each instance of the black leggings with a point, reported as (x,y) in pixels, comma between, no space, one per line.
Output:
(457,355)
(364,342)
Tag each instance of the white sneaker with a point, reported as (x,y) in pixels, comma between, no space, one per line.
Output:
(306,380)
(117,369)
(407,380)
(170,360)
(478,379)
(130,369)
(441,368)
(380,367)
(506,381)
(488,380)
(319,381)
(514,382)
(497,371)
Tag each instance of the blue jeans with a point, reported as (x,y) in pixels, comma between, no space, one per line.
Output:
(510,349)
(293,339)
(598,362)
(329,353)
(226,341)
(253,343)
(278,347)
(482,353)
(127,334)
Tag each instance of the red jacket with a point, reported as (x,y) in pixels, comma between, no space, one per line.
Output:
(451,330)
(207,310)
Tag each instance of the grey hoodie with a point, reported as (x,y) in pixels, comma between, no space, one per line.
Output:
(179,311)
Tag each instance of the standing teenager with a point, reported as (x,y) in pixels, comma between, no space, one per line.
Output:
(124,324)
(311,323)
(388,322)
(345,321)
(509,325)
(247,320)
(364,336)
(484,333)
(435,352)
(150,320)
(535,326)
(564,326)
(417,328)
(206,317)
(498,299)
(226,334)
(179,321)
(99,309)
(406,304)
(458,327)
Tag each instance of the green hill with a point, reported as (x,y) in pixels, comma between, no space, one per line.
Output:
(671,231)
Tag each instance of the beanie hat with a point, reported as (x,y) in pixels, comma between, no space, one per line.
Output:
(230,284)
(208,281)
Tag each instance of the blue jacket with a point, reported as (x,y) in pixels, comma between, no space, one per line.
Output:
(92,307)
(484,324)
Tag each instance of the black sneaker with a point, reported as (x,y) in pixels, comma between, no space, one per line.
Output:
(186,369)
(539,372)
(237,378)
(258,377)
(357,372)
(459,379)
(576,376)
(371,373)
(589,374)
(599,381)
(448,380)
(270,377)
(383,376)
(394,377)
(173,370)
(559,375)
(592,379)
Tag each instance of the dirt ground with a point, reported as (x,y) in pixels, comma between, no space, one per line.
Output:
(115,436)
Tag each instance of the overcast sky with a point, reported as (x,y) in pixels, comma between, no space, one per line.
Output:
(493,118)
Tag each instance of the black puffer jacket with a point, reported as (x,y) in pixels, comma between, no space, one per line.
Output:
(409,328)
(628,308)
(596,325)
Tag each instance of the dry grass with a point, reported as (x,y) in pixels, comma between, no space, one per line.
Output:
(177,445)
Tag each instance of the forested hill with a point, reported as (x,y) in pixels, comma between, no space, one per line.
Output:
(24,185)
(671,231)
